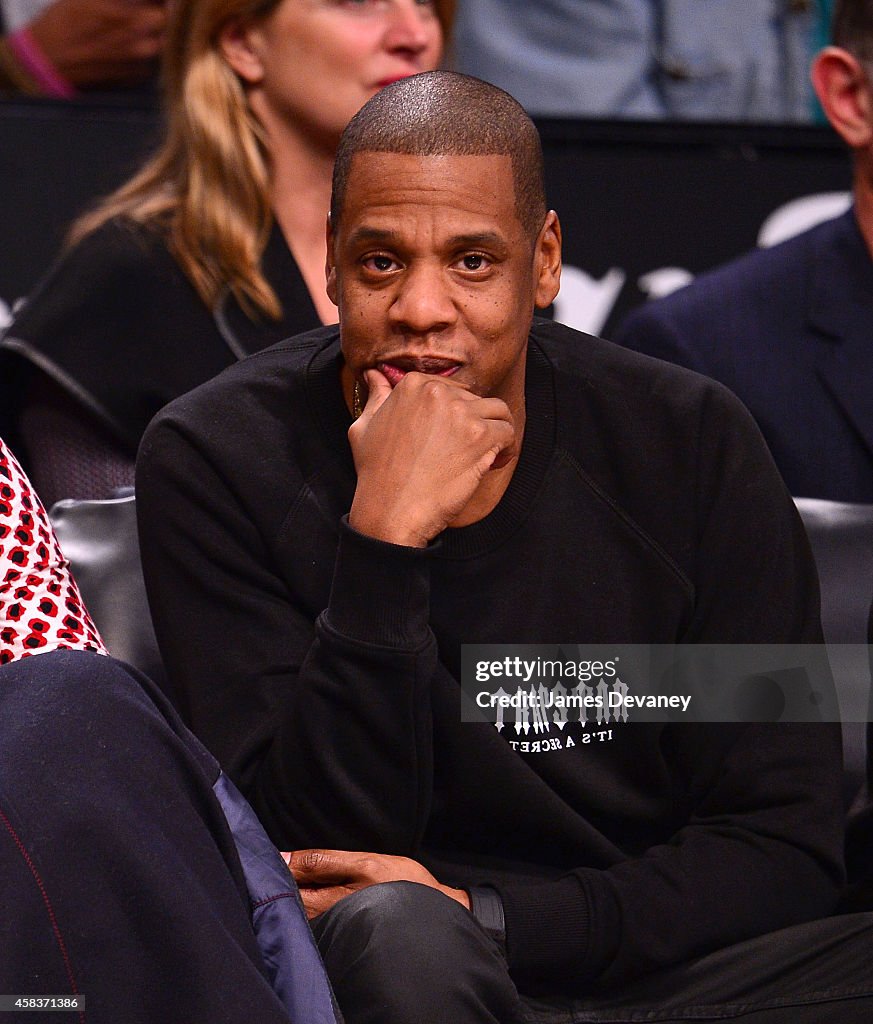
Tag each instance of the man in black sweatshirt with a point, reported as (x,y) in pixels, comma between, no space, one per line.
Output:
(325,524)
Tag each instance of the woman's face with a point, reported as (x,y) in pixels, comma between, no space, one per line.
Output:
(312,64)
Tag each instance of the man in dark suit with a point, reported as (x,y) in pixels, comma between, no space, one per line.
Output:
(790,329)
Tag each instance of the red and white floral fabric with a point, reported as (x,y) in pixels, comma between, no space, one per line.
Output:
(40,605)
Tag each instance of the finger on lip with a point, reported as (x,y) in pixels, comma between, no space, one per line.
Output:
(393,374)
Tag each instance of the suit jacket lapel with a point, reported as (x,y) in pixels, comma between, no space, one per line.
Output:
(840,307)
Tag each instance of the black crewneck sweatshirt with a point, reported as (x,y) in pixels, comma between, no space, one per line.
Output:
(321,667)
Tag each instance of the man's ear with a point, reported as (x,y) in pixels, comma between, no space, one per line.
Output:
(844,92)
(330,264)
(547,261)
(238,42)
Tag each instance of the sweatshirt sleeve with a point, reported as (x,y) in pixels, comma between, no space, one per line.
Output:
(761,846)
(365,681)
(275,684)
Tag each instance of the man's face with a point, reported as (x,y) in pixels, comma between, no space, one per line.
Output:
(432,271)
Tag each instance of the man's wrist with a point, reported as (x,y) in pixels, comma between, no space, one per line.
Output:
(387,533)
(381,525)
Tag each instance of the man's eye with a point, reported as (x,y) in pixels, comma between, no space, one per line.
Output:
(474,261)
(380,263)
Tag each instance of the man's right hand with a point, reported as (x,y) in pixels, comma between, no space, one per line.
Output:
(95,43)
(421,451)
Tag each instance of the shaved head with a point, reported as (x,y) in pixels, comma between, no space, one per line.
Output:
(441,113)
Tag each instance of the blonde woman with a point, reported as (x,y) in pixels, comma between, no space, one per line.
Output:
(215,249)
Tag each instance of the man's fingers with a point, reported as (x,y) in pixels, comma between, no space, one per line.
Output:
(504,449)
(378,390)
(317,901)
(497,440)
(493,409)
(324,867)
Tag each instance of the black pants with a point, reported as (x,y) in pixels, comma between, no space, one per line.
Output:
(119,878)
(404,954)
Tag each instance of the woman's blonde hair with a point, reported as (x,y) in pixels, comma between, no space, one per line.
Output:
(208,185)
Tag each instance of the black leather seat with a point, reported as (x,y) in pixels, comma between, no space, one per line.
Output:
(841,536)
(99,537)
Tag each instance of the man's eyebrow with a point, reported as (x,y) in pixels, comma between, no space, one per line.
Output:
(377,236)
(366,235)
(478,239)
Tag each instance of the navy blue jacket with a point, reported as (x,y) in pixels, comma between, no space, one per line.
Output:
(790,331)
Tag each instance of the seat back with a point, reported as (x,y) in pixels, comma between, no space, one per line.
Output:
(99,537)
(841,536)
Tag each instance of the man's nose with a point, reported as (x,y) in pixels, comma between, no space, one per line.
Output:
(423,304)
(412,27)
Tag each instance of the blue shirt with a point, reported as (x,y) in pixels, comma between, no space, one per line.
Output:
(678,59)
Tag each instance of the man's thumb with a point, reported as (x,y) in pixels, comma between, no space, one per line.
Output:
(378,389)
